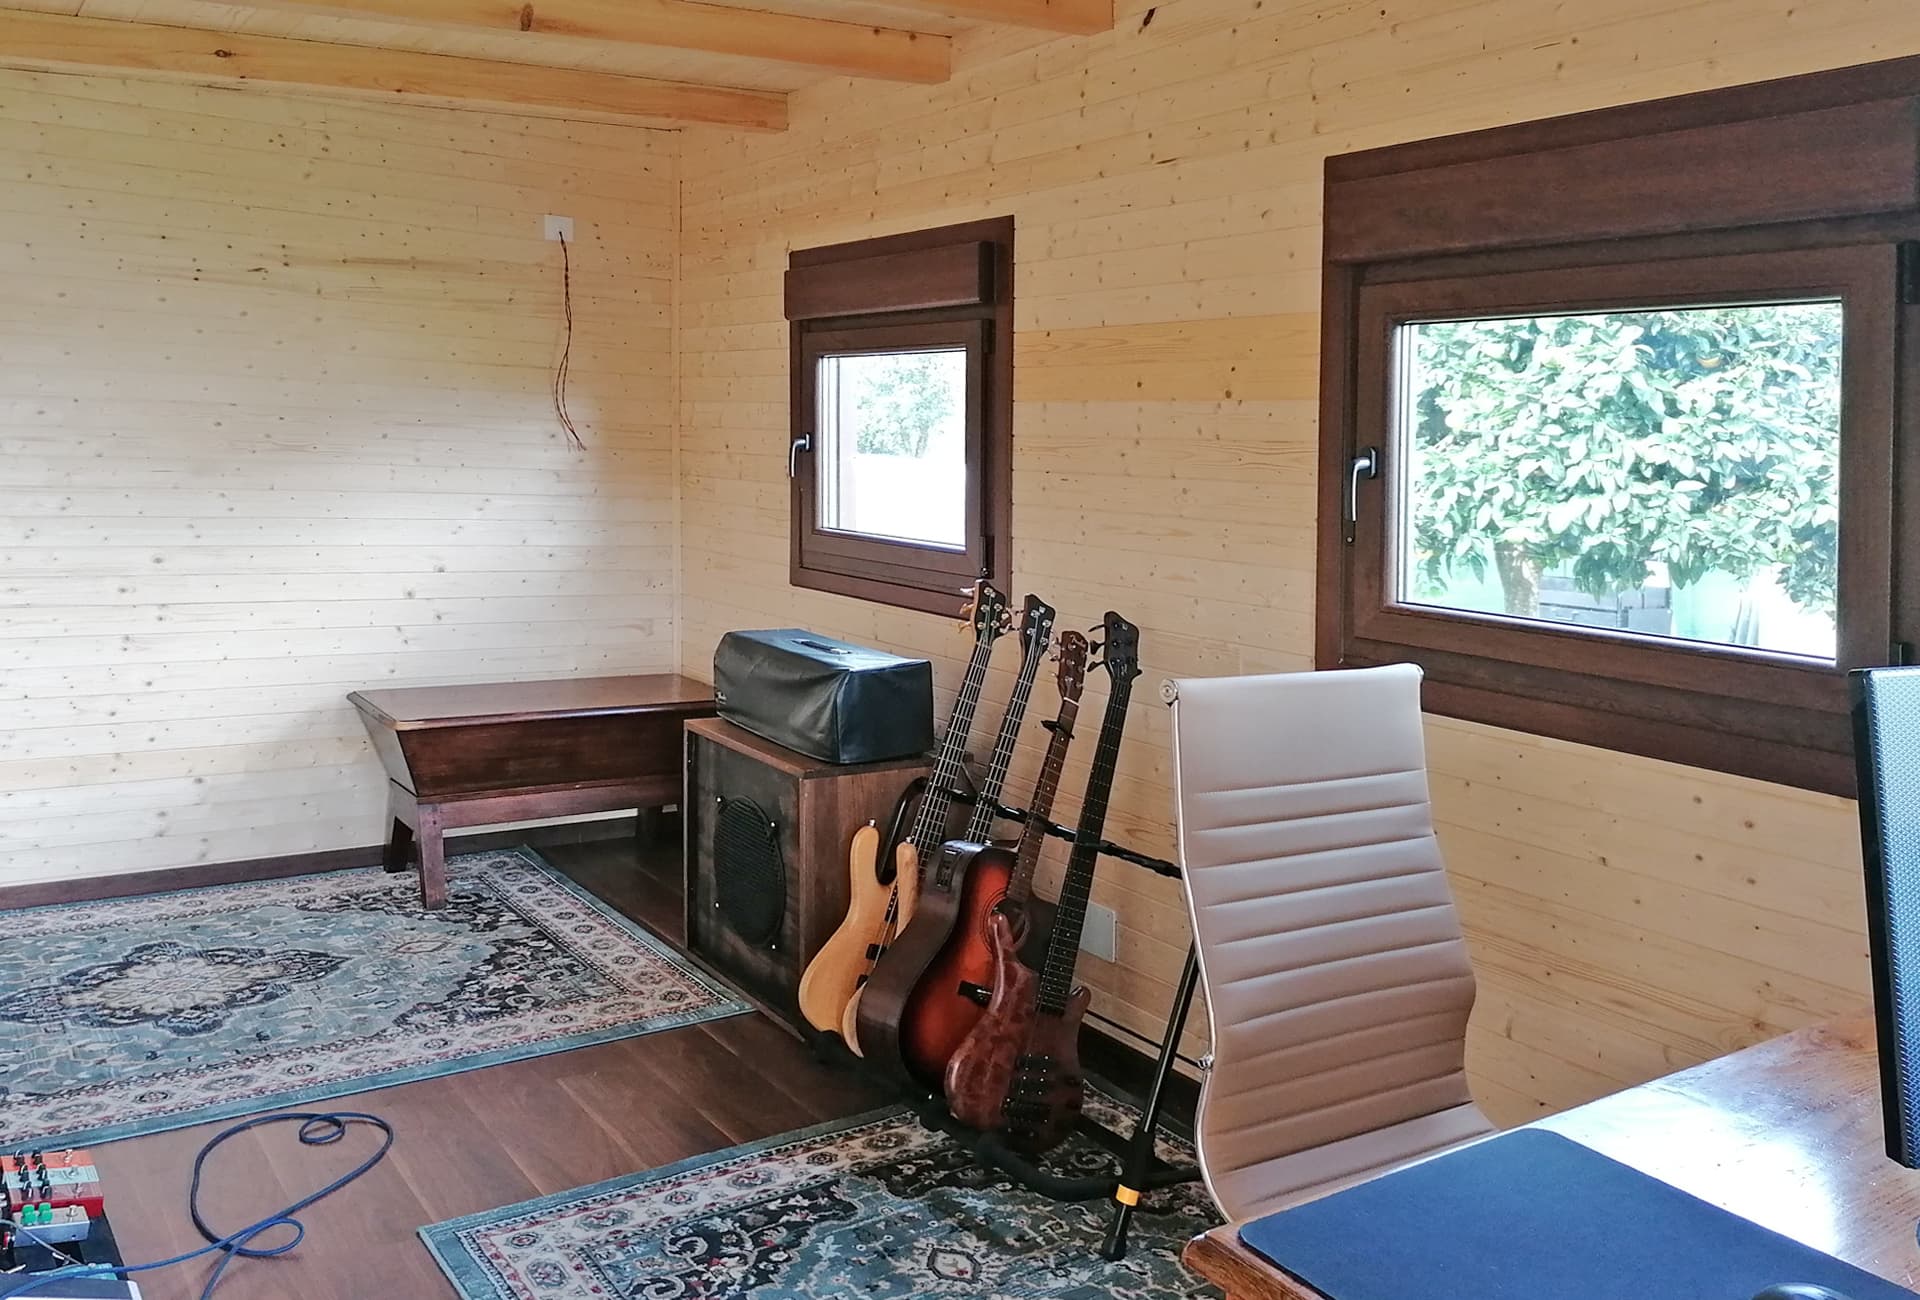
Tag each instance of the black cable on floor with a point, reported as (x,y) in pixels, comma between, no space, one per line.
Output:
(317,1129)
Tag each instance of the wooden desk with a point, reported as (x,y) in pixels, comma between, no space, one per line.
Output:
(515,751)
(1786,1134)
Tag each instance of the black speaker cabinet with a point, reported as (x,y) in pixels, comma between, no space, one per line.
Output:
(766,855)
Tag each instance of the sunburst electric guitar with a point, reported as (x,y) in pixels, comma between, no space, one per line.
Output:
(903,1017)
(882,901)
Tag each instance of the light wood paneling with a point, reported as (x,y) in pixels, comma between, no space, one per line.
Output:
(823,46)
(1626,916)
(1080,16)
(275,424)
(58,42)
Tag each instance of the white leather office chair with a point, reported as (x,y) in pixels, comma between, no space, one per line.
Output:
(1335,972)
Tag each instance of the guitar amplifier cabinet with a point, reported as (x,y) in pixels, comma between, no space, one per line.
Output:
(767,833)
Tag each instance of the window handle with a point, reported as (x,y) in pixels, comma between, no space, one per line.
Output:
(803,443)
(1365,464)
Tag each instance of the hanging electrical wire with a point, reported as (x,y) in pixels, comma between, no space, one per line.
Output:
(564,368)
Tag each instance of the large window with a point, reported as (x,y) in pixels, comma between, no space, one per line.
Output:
(1641,490)
(901,406)
(1666,471)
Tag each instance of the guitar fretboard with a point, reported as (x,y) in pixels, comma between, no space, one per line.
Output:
(981,823)
(1069,918)
(930,825)
(1040,808)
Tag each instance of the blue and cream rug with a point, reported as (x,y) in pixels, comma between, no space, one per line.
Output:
(873,1208)
(133,1015)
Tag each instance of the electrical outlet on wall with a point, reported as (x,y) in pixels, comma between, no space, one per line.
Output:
(558,228)
(1100,935)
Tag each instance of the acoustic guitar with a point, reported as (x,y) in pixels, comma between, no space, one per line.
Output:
(882,902)
(1030,1034)
(904,1006)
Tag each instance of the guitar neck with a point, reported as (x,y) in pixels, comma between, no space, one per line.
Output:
(1040,808)
(1063,946)
(930,826)
(1004,744)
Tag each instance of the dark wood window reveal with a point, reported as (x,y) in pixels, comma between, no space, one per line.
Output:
(902,414)
(1615,418)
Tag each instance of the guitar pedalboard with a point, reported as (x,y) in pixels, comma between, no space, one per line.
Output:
(55,1213)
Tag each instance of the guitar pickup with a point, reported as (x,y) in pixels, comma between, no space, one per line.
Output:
(976,993)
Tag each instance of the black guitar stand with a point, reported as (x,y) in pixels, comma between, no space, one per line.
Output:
(1141,1168)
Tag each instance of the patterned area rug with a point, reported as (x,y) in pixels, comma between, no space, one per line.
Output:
(134,1015)
(877,1208)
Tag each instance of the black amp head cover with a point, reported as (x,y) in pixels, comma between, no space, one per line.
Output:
(828,699)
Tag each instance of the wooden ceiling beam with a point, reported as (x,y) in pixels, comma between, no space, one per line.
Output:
(57,42)
(1078,17)
(846,49)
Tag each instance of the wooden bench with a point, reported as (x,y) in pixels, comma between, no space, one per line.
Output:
(515,751)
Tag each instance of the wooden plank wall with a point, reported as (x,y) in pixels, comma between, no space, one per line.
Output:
(1627,916)
(275,423)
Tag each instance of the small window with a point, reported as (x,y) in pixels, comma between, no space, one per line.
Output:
(892,462)
(901,404)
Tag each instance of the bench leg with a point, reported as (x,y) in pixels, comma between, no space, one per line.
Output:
(433,857)
(648,824)
(402,813)
(399,851)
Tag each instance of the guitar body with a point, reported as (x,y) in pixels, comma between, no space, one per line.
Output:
(980,1071)
(904,893)
(1043,1102)
(884,997)
(948,999)
(833,976)
(849,1025)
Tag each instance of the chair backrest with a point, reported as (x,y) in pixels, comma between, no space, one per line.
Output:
(1335,972)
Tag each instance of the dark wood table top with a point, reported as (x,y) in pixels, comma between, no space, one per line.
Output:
(407,708)
(1787,1134)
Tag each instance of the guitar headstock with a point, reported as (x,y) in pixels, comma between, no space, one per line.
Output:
(1036,625)
(1073,665)
(986,613)
(1119,648)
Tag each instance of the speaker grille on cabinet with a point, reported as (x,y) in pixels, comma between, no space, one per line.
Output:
(750,876)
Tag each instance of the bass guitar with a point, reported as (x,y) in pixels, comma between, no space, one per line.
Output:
(903,1008)
(882,902)
(1026,1048)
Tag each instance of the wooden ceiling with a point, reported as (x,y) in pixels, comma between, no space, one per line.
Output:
(650,62)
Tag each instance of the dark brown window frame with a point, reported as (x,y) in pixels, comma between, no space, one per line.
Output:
(1654,204)
(947,287)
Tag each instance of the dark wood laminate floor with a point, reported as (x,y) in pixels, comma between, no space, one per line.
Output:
(483,1139)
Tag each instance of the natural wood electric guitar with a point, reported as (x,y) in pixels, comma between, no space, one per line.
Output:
(882,903)
(915,1008)
(1026,1048)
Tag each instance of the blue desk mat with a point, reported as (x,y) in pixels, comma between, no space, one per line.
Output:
(1531,1215)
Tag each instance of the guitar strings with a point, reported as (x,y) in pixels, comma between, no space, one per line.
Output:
(1003,746)
(945,767)
(942,777)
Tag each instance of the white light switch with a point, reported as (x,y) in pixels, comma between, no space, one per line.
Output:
(1100,934)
